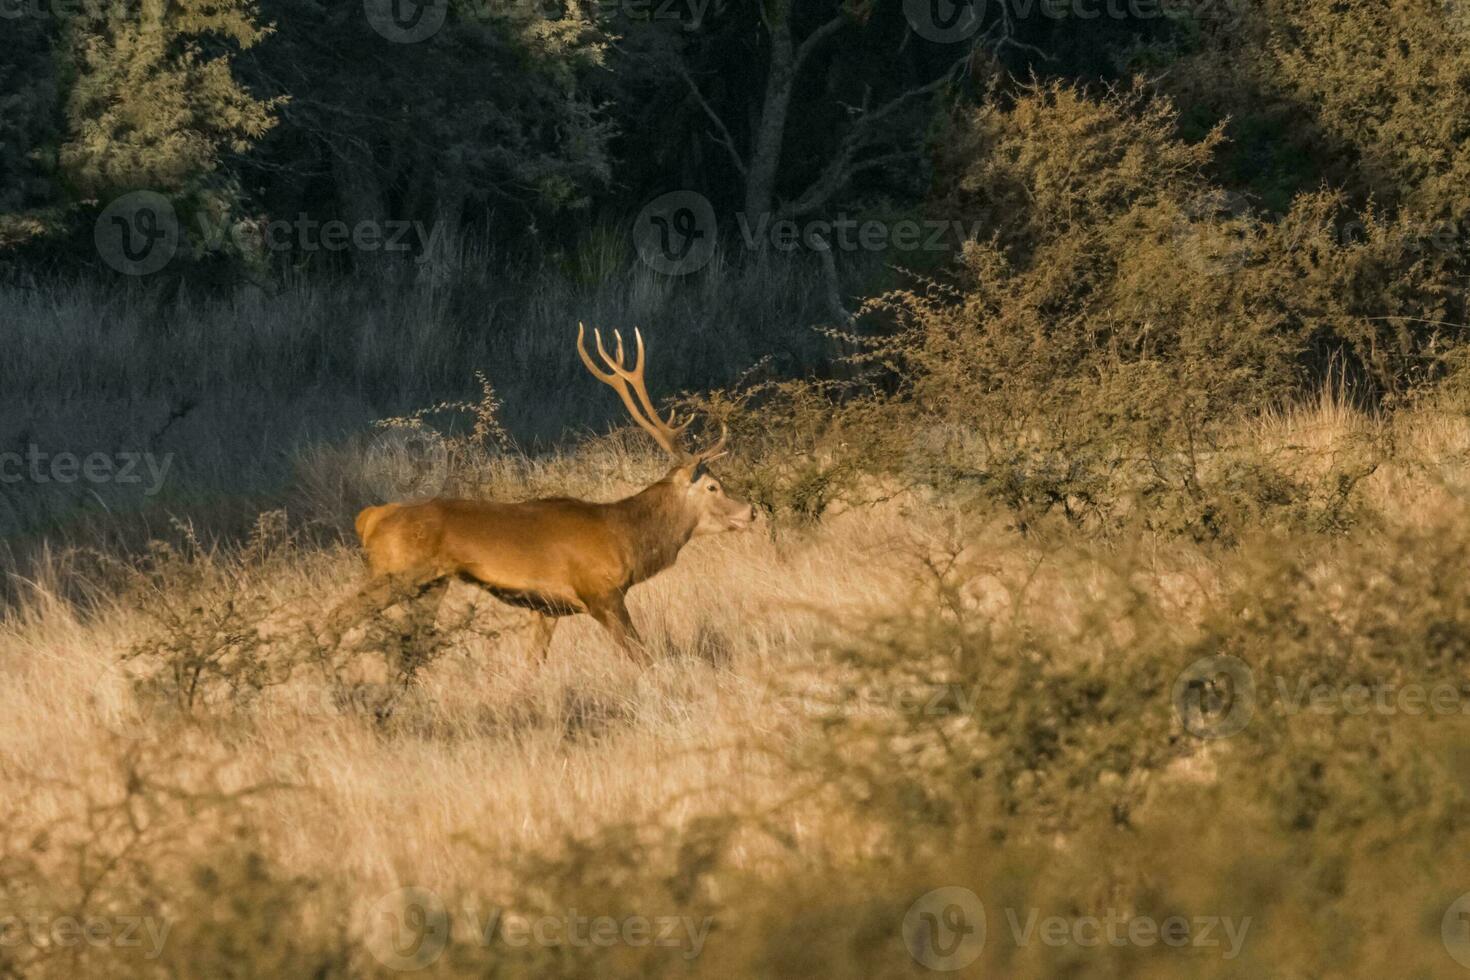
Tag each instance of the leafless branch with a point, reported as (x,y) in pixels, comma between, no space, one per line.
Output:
(725,139)
(844,165)
(817,36)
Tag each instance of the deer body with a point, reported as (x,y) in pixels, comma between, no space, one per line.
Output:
(559,551)
(557,556)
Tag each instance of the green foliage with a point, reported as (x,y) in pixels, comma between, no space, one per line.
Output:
(154,101)
(489,120)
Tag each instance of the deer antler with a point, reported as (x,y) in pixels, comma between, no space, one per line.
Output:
(714,452)
(628,382)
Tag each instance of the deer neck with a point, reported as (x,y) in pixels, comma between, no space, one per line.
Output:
(658,524)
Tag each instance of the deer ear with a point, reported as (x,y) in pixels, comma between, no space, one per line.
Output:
(698,471)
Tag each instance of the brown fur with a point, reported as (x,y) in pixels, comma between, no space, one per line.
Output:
(556,556)
(370,517)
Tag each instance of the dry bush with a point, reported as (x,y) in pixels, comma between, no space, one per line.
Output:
(153,865)
(205,646)
(221,644)
(1096,354)
(1365,95)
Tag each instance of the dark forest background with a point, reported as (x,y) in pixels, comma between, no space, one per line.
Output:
(1133,218)
(535,131)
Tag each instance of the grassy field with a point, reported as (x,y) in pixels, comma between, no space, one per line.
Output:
(845,717)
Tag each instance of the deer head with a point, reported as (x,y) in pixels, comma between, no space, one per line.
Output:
(697,490)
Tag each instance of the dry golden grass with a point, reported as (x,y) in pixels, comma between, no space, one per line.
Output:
(491,756)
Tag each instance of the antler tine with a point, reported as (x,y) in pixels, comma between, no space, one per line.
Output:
(718,449)
(636,380)
(606,377)
(615,367)
(627,383)
(616,364)
(641,390)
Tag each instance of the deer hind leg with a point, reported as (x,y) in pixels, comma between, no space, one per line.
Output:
(612,612)
(426,600)
(542,628)
(382,592)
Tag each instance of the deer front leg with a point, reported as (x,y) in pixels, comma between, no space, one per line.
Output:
(612,612)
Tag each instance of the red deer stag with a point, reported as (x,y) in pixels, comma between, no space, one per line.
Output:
(556,556)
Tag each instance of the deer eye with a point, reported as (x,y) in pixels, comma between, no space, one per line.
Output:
(713,488)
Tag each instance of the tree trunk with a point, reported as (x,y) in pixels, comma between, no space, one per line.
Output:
(765,158)
(359,197)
